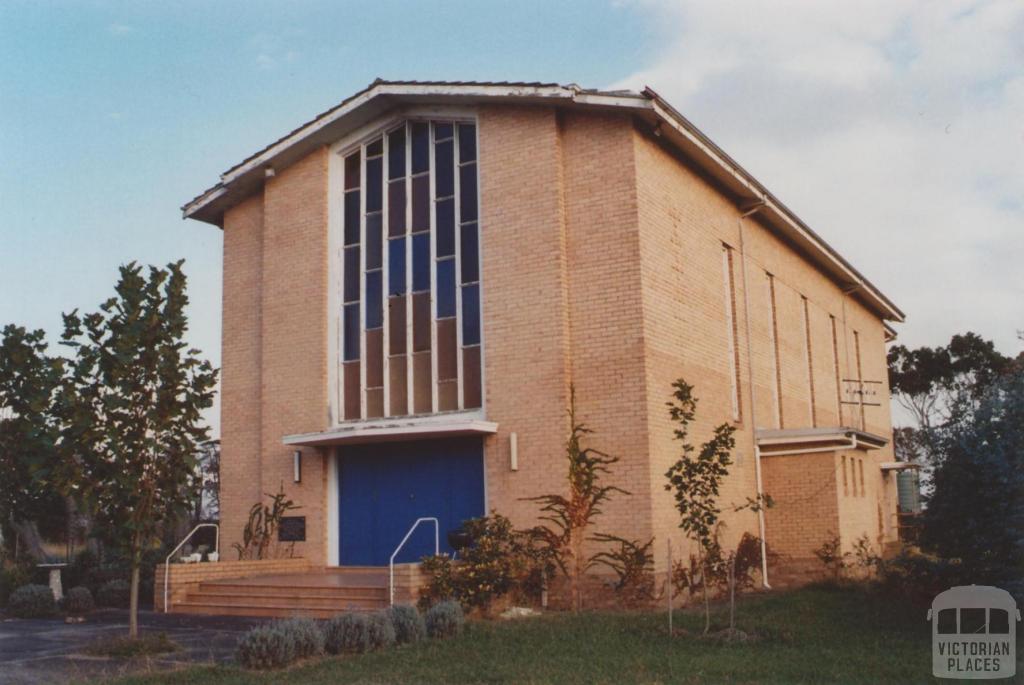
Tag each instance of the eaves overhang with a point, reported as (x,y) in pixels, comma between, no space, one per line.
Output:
(396,430)
(381,97)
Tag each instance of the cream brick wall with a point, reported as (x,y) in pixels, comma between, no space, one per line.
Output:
(241,365)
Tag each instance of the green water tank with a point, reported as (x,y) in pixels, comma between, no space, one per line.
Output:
(908,489)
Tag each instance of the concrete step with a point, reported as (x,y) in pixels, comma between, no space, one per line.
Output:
(275,590)
(304,601)
(283,611)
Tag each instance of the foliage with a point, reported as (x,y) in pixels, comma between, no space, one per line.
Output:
(12,578)
(380,631)
(131,408)
(444,619)
(305,635)
(265,647)
(29,460)
(259,539)
(207,503)
(78,601)
(931,383)
(499,560)
(975,512)
(570,517)
(913,574)
(347,633)
(633,565)
(747,561)
(115,594)
(32,601)
(126,647)
(864,553)
(695,478)
(408,623)
(831,554)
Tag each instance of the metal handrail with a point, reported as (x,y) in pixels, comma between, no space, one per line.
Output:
(391,561)
(167,561)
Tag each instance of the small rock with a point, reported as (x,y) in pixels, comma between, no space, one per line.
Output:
(519,612)
(75,619)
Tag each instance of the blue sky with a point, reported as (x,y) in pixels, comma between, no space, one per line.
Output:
(115,113)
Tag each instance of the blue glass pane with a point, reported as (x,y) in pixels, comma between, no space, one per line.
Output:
(445,288)
(420,262)
(470,314)
(420,147)
(374,184)
(352,217)
(351,332)
(444,162)
(467,192)
(396,154)
(442,131)
(374,238)
(467,142)
(470,248)
(396,266)
(374,300)
(352,274)
(445,227)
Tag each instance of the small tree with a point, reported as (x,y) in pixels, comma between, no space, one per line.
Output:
(131,408)
(571,516)
(694,479)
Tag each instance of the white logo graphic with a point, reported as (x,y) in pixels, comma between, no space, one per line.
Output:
(974,633)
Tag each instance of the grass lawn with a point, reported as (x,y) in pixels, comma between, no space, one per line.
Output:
(813,635)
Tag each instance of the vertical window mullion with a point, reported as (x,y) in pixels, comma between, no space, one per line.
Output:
(362,282)
(385,237)
(410,367)
(433,267)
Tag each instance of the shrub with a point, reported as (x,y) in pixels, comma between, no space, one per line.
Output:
(380,631)
(11,579)
(445,620)
(633,565)
(831,555)
(306,634)
(499,560)
(265,647)
(115,594)
(79,601)
(346,633)
(408,623)
(921,576)
(32,601)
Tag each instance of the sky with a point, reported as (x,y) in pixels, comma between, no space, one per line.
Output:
(895,129)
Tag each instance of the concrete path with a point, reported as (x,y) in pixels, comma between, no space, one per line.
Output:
(36,651)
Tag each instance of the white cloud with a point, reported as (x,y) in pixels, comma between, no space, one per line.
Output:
(894,128)
(120,29)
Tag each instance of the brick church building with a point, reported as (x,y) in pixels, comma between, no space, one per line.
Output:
(414,279)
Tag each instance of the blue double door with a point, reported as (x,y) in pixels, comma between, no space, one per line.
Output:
(383,488)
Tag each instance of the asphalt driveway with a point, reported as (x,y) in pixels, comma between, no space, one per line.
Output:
(36,651)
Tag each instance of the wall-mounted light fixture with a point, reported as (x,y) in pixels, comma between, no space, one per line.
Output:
(297,465)
(513,452)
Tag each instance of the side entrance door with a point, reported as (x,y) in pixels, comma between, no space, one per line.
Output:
(385,487)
